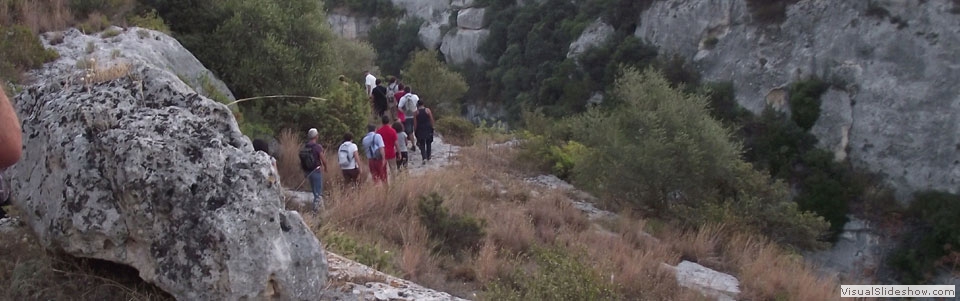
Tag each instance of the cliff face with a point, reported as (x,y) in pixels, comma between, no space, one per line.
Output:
(894,105)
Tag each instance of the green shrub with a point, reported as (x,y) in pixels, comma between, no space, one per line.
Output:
(347,246)
(21,50)
(774,142)
(394,43)
(456,129)
(149,20)
(826,188)
(453,233)
(558,275)
(83,8)
(109,33)
(805,101)
(438,86)
(565,158)
(936,236)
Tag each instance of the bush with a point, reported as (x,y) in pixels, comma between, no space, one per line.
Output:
(109,33)
(20,50)
(456,129)
(347,246)
(107,7)
(453,233)
(96,22)
(826,188)
(437,85)
(394,43)
(937,236)
(149,20)
(558,276)
(805,101)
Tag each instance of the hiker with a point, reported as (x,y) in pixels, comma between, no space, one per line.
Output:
(408,105)
(379,99)
(370,82)
(11,139)
(389,141)
(423,127)
(261,145)
(402,154)
(373,148)
(349,158)
(392,88)
(312,161)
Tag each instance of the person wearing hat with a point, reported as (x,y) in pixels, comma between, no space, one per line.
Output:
(313,163)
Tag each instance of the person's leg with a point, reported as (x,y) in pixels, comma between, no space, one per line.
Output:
(316,183)
(421,143)
(408,128)
(427,147)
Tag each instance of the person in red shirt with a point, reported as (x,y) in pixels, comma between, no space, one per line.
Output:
(396,96)
(390,141)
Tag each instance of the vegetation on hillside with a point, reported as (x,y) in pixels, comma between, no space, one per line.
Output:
(935,243)
(437,86)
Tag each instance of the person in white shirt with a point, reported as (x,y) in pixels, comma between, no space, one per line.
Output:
(349,158)
(370,82)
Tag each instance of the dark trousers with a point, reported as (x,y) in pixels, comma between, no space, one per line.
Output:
(424,142)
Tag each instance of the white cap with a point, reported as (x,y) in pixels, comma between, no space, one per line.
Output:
(312,133)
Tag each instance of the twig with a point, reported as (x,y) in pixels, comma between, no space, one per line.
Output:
(275,96)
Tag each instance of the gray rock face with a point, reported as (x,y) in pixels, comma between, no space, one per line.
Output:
(895,106)
(710,283)
(142,171)
(462,3)
(133,44)
(594,35)
(434,11)
(430,35)
(471,18)
(460,46)
(350,27)
(856,255)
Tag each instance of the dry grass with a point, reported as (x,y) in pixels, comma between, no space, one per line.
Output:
(288,162)
(98,74)
(28,272)
(38,15)
(487,184)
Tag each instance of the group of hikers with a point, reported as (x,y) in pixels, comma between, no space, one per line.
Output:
(403,118)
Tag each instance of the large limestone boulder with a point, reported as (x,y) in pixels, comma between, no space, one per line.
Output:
(896,79)
(433,11)
(471,18)
(78,50)
(460,46)
(135,167)
(594,35)
(710,283)
(431,34)
(348,26)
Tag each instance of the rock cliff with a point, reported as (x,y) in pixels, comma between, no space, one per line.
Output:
(125,162)
(894,105)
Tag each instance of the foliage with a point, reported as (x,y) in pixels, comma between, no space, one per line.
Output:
(659,150)
(558,276)
(805,101)
(370,8)
(20,50)
(456,129)
(149,20)
(774,142)
(344,108)
(826,188)
(368,254)
(395,42)
(769,11)
(437,85)
(83,8)
(109,33)
(353,57)
(453,233)
(723,103)
(94,23)
(937,236)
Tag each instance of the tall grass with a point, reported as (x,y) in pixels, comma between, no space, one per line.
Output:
(38,15)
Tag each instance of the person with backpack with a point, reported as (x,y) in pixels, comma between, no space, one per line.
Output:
(348,155)
(389,136)
(379,96)
(314,165)
(408,104)
(423,127)
(376,157)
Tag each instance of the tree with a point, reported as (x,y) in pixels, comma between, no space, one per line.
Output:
(435,83)
(394,43)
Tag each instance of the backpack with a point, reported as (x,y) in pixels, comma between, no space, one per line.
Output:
(410,106)
(308,161)
(372,151)
(344,157)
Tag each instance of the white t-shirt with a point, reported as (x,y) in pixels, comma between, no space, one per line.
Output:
(350,148)
(408,103)
(371,82)
(401,141)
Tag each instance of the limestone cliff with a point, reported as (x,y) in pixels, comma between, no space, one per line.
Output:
(894,107)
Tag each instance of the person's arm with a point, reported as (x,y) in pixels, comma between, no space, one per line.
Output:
(11,139)
(429,113)
(323,160)
(383,151)
(415,113)
(356,158)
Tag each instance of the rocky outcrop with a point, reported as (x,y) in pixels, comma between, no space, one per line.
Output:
(471,18)
(894,72)
(460,46)
(594,35)
(858,253)
(350,27)
(710,283)
(78,50)
(125,162)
